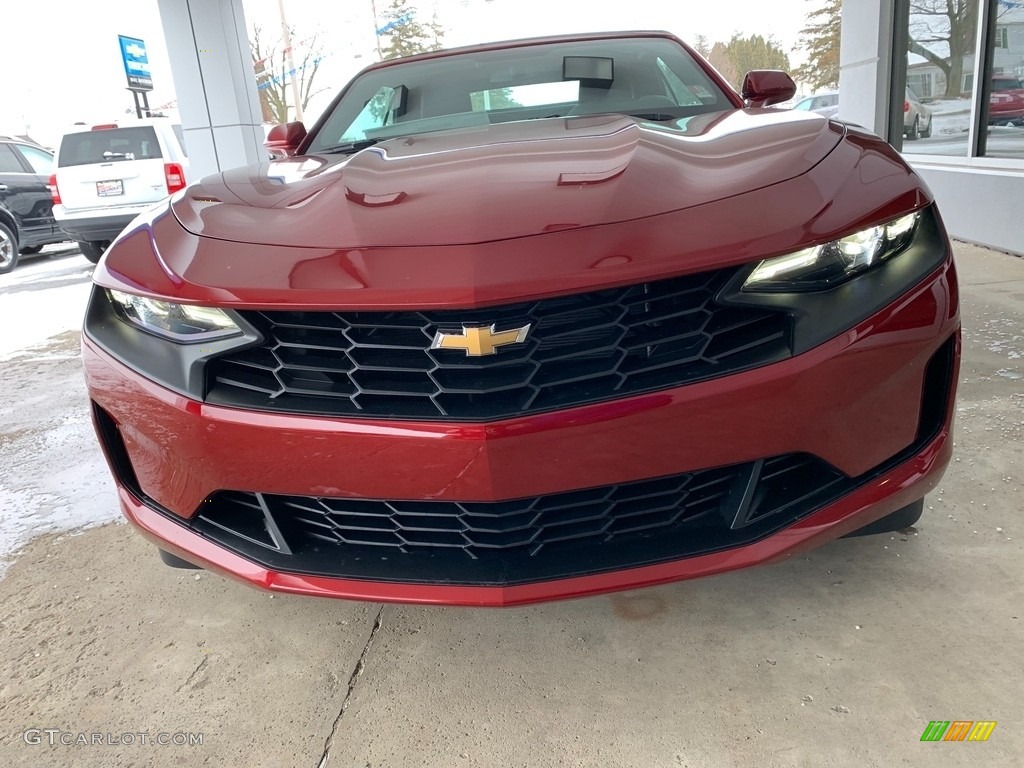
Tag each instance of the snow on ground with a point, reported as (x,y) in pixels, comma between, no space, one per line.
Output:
(53,476)
(58,480)
(948,106)
(951,124)
(42,298)
(950,117)
(63,310)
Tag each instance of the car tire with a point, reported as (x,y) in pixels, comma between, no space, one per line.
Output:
(173,561)
(897,521)
(93,250)
(926,133)
(8,249)
(914,134)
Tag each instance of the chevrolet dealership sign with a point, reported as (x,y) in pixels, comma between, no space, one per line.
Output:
(136,64)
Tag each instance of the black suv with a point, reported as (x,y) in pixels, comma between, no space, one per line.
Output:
(26,207)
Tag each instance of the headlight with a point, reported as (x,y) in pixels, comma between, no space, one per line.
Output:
(177,322)
(823,266)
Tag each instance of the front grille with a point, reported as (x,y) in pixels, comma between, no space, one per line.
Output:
(536,538)
(580,349)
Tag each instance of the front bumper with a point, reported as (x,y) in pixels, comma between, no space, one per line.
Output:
(862,403)
(888,493)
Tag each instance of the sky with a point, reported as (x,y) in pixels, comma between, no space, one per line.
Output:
(66,67)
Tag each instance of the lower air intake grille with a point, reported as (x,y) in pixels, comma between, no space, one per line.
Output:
(507,542)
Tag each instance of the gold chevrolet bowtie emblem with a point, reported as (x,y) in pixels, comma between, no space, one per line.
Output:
(477,341)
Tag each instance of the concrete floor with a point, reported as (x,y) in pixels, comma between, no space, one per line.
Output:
(839,658)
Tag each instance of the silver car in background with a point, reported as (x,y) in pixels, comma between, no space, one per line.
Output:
(917,118)
(826,104)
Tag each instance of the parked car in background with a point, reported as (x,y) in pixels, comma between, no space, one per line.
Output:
(26,210)
(917,118)
(107,174)
(24,139)
(530,320)
(1006,101)
(826,104)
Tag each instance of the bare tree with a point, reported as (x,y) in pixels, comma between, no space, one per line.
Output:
(436,32)
(702,45)
(944,26)
(273,76)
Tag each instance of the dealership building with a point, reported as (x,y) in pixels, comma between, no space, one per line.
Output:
(960,58)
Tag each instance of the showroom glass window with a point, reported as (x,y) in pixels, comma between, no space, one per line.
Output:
(940,54)
(1004,125)
(964,94)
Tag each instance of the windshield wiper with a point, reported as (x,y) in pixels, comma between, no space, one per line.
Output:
(350,148)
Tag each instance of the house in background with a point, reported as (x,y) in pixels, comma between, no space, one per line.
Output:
(929,82)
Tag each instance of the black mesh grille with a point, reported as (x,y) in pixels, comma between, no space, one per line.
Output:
(580,349)
(540,537)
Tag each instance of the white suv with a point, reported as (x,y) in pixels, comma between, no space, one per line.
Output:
(107,174)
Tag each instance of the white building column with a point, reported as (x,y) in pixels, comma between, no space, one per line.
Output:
(865,63)
(208,46)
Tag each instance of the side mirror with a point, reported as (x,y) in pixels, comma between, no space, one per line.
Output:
(284,139)
(764,87)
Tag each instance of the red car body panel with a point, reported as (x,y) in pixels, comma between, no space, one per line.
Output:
(1006,102)
(1006,107)
(183,450)
(504,181)
(886,494)
(477,218)
(161,257)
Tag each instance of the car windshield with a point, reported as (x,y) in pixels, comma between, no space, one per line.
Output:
(653,78)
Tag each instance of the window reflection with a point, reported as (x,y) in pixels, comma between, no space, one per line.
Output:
(1005,124)
(941,55)
(940,82)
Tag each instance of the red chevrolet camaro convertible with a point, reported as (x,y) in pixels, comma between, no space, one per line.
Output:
(526,321)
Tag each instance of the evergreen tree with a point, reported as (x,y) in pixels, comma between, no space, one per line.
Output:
(405,35)
(742,54)
(820,39)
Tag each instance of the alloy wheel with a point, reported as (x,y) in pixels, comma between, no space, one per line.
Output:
(7,248)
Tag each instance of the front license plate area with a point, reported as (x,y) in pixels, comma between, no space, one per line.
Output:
(109,188)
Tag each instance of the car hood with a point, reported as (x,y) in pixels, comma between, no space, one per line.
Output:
(506,180)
